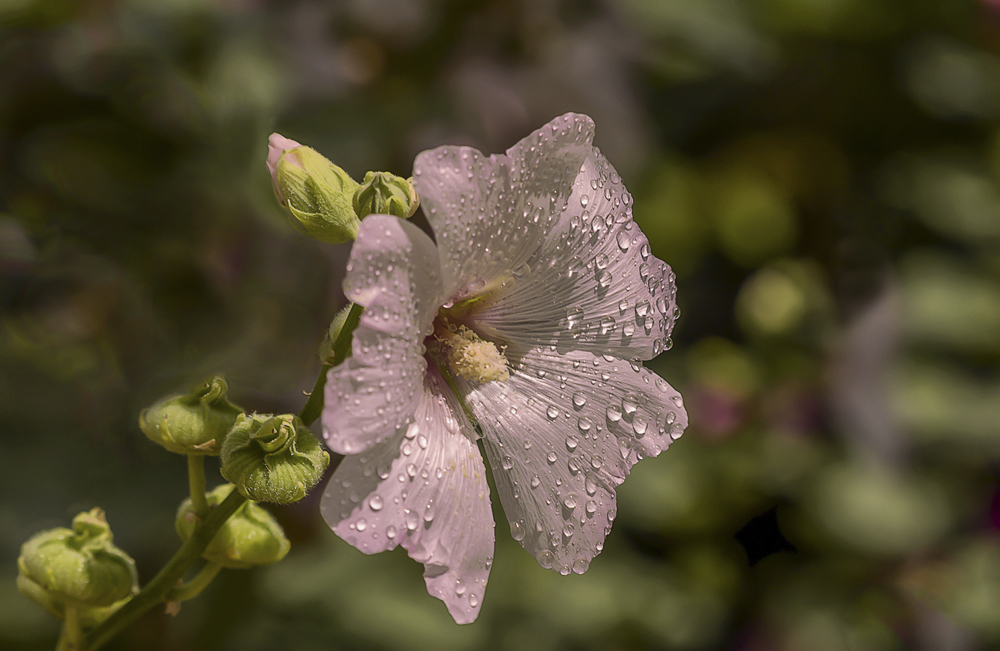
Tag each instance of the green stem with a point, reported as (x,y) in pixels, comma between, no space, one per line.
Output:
(71,637)
(339,352)
(196,483)
(193,588)
(158,590)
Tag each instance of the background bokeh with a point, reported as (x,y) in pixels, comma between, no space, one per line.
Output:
(823,175)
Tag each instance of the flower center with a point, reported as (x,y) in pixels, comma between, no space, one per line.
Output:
(468,355)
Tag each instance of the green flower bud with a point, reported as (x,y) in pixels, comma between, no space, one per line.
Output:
(382,193)
(273,458)
(315,192)
(77,567)
(250,537)
(195,423)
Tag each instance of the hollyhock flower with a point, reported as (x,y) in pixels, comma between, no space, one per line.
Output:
(525,326)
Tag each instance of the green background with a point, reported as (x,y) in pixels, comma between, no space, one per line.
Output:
(823,175)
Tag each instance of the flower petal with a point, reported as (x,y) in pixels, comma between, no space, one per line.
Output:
(490,214)
(594,285)
(424,488)
(560,434)
(395,274)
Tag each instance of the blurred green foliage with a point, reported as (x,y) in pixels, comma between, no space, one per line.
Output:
(824,176)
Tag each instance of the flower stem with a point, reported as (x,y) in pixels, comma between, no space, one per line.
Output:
(159,588)
(71,637)
(196,484)
(193,588)
(339,351)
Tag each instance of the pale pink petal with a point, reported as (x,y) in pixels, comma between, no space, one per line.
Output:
(560,434)
(594,285)
(424,488)
(277,145)
(393,272)
(490,214)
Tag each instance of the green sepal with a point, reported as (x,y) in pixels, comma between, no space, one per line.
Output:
(382,193)
(193,423)
(78,567)
(317,195)
(273,458)
(251,536)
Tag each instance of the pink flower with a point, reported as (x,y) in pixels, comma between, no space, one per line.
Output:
(524,326)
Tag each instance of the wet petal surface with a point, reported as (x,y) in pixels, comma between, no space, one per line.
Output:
(560,435)
(425,489)
(490,213)
(394,273)
(594,285)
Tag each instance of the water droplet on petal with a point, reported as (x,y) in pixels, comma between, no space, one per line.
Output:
(375,503)
(570,501)
(552,412)
(623,240)
(584,424)
(411,519)
(546,559)
(517,531)
(601,261)
(390,532)
(535,481)
(579,400)
(639,425)
(630,402)
(571,443)
(614,413)
(362,524)
(580,565)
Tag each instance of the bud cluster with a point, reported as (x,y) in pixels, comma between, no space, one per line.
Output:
(323,201)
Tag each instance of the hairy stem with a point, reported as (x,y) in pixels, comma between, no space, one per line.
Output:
(196,484)
(71,637)
(193,588)
(159,588)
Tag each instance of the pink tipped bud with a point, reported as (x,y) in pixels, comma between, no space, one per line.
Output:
(277,145)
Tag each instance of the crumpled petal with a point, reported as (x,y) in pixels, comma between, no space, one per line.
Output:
(424,488)
(560,435)
(395,274)
(594,285)
(490,214)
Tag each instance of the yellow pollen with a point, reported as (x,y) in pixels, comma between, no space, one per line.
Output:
(475,359)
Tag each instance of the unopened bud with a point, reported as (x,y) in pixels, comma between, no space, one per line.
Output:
(382,193)
(194,423)
(78,567)
(251,536)
(316,193)
(273,458)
